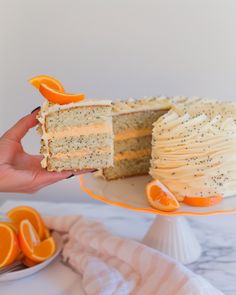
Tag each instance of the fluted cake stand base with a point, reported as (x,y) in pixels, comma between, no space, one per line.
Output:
(173,236)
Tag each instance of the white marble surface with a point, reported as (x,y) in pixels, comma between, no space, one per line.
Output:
(215,233)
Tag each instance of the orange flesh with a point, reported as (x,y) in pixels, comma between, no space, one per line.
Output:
(28,237)
(202,202)
(24,212)
(43,250)
(9,248)
(59,97)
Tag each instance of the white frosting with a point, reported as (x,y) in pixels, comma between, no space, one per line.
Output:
(194,149)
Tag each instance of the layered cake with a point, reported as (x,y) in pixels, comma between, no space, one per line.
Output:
(132,126)
(76,136)
(194,149)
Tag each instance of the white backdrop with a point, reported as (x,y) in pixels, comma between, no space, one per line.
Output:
(113,49)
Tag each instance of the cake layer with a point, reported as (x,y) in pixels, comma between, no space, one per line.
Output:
(101,128)
(87,161)
(76,116)
(127,168)
(135,120)
(132,133)
(71,143)
(129,155)
(133,144)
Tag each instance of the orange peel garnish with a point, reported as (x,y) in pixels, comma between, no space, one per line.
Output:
(203,201)
(49,81)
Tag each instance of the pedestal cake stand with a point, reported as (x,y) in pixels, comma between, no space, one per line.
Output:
(170,232)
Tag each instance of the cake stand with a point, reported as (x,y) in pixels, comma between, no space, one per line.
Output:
(170,232)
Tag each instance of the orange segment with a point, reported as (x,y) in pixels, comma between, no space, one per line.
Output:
(12,226)
(49,81)
(17,214)
(203,202)
(47,233)
(43,250)
(28,262)
(28,237)
(9,248)
(59,97)
(160,197)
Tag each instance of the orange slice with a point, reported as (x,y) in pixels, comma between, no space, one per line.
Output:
(49,81)
(59,97)
(47,233)
(11,225)
(17,214)
(160,197)
(28,237)
(28,262)
(9,247)
(43,250)
(203,202)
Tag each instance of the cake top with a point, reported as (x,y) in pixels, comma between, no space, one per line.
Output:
(48,107)
(146,103)
(194,149)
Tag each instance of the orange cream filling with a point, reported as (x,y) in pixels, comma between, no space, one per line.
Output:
(82,153)
(132,154)
(83,130)
(133,134)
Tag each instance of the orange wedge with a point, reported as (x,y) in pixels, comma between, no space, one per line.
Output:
(17,214)
(28,237)
(203,202)
(28,262)
(49,81)
(12,226)
(160,197)
(9,248)
(47,233)
(59,97)
(43,250)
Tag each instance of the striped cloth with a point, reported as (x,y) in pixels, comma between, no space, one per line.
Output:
(110,265)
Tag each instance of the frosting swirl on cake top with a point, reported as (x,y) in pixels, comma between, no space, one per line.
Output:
(194,149)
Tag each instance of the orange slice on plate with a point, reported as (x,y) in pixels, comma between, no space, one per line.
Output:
(17,214)
(59,97)
(43,250)
(28,262)
(9,247)
(28,237)
(160,197)
(49,81)
(203,202)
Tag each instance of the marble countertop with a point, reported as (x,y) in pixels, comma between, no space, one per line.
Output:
(215,233)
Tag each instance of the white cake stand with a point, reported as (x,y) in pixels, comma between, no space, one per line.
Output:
(170,232)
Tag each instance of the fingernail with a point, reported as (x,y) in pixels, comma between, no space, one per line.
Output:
(94,170)
(70,176)
(35,110)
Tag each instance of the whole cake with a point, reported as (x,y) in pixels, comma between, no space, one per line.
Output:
(76,136)
(132,125)
(194,149)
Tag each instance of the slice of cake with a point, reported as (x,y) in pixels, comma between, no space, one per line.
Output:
(132,125)
(77,135)
(194,150)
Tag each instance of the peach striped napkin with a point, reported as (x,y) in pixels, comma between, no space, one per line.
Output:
(111,265)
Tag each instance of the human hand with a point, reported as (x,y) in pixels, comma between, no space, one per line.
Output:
(19,171)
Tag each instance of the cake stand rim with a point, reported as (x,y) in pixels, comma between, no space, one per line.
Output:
(148,210)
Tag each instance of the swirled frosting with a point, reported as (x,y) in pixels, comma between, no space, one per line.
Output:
(194,149)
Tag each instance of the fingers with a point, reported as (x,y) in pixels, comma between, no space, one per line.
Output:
(18,131)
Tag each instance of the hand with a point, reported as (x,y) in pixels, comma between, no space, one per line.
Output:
(19,171)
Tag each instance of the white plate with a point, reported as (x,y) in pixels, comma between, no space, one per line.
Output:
(20,274)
